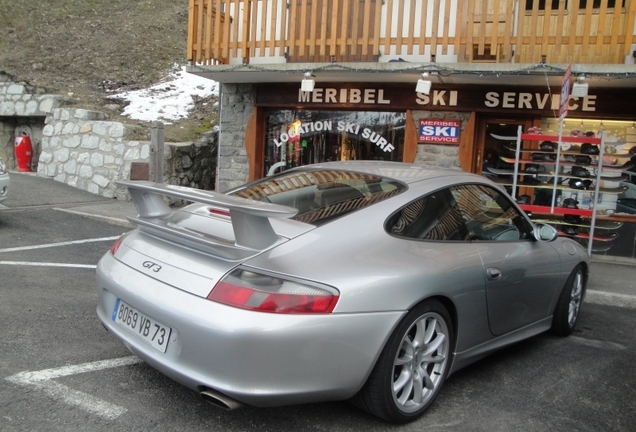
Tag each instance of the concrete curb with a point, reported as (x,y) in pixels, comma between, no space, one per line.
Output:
(610,299)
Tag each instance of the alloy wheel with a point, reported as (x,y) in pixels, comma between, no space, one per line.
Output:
(576,296)
(420,363)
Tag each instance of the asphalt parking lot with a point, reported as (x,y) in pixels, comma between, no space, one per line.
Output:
(60,370)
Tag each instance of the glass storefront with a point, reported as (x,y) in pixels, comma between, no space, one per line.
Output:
(301,137)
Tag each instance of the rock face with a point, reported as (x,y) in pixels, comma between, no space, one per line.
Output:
(84,149)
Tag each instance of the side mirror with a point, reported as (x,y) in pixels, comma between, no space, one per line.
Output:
(545,232)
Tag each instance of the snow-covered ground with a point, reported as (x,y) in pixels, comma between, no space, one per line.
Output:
(169,100)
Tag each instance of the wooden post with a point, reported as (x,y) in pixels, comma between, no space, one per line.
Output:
(156,152)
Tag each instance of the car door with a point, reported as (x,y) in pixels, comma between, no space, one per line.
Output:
(520,273)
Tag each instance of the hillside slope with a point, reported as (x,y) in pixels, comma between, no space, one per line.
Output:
(86,48)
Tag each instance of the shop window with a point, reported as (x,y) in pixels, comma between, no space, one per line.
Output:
(296,138)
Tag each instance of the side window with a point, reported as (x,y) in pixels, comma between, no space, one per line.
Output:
(488,214)
(460,213)
(433,217)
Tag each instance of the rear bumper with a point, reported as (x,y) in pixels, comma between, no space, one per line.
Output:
(256,358)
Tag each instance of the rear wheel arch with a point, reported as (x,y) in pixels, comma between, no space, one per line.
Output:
(586,269)
(449,305)
(452,311)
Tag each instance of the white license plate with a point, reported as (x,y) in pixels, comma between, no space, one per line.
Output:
(147,329)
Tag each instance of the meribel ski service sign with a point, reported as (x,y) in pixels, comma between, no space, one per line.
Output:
(439,131)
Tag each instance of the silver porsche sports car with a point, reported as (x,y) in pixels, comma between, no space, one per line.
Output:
(369,281)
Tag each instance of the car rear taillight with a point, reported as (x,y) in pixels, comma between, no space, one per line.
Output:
(115,246)
(260,292)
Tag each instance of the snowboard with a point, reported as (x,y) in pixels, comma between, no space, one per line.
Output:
(566,163)
(609,190)
(586,236)
(585,223)
(553,138)
(507,171)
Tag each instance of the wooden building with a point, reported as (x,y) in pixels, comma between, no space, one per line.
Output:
(490,66)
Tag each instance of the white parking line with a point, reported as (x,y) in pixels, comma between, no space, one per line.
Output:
(47,264)
(110,219)
(49,245)
(42,380)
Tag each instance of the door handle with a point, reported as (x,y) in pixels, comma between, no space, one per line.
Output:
(493,273)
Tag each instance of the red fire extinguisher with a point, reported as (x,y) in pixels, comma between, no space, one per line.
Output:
(23,152)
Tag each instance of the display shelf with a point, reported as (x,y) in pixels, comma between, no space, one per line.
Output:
(595,161)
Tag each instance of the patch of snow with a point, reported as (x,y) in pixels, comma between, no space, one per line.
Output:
(169,100)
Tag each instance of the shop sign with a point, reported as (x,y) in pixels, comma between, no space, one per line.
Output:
(565,93)
(439,131)
(611,102)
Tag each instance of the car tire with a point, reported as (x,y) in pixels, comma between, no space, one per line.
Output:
(568,307)
(416,356)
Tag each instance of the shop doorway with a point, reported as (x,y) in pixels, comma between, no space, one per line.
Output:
(490,150)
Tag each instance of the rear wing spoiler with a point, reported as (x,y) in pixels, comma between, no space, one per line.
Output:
(250,219)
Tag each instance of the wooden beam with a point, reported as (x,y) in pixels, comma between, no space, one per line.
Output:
(410,139)
(255,144)
(467,144)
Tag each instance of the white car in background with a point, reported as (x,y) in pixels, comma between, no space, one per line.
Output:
(4,181)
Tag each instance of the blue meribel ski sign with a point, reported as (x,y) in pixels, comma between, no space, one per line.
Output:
(439,131)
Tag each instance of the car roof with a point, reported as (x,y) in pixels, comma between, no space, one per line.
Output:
(404,172)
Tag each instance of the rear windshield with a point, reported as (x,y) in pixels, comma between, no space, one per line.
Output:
(321,195)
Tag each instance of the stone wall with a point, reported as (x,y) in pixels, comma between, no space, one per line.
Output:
(192,164)
(23,108)
(237,103)
(434,154)
(84,149)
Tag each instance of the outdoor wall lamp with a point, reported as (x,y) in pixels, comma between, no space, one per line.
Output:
(579,88)
(307,84)
(423,84)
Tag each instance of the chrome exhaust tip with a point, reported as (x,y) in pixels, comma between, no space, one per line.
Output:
(220,400)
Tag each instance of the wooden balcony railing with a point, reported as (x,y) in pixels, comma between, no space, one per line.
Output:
(559,31)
